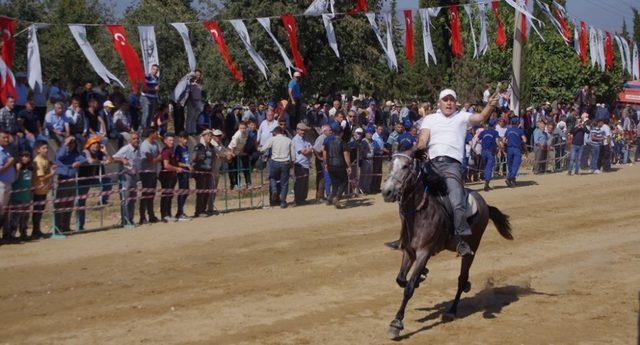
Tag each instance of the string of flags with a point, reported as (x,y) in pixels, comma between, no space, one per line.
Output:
(599,42)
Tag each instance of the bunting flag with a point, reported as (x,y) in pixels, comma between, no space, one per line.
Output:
(289,23)
(79,33)
(5,73)
(636,62)
(7,30)
(467,9)
(408,35)
(583,43)
(331,33)
(34,67)
(608,51)
(627,54)
(361,6)
(242,32)
(129,57)
(623,60)
(501,38)
(593,46)
(561,17)
(524,28)
(216,35)
(483,45)
(392,63)
(425,18)
(602,59)
(319,7)
(148,47)
(456,39)
(184,33)
(554,21)
(576,40)
(266,24)
(526,12)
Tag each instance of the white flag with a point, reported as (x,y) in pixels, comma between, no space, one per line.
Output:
(483,45)
(5,70)
(593,46)
(390,53)
(526,11)
(34,67)
(266,24)
(241,29)
(547,11)
(425,17)
(627,54)
(576,39)
(148,46)
(319,7)
(80,34)
(621,49)
(184,33)
(331,33)
(635,62)
(601,57)
(467,8)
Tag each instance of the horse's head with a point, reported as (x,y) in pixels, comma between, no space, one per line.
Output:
(404,166)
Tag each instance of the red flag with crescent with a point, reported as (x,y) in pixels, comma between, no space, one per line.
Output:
(456,39)
(7,29)
(501,38)
(583,43)
(608,51)
(216,35)
(129,57)
(566,34)
(361,6)
(408,35)
(289,23)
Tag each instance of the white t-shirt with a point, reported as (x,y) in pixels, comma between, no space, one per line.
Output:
(447,134)
(501,130)
(607,133)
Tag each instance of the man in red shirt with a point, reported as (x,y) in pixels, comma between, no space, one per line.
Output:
(168,177)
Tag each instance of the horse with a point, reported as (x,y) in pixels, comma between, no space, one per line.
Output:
(427,226)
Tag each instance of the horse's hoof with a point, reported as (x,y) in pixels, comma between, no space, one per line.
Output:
(467,287)
(448,317)
(401,282)
(395,328)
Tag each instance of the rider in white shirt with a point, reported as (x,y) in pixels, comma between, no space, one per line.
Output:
(443,134)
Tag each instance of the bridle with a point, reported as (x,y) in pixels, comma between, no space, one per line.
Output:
(409,175)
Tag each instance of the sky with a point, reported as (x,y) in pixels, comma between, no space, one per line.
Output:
(603,14)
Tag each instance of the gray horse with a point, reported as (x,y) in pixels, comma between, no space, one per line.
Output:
(427,226)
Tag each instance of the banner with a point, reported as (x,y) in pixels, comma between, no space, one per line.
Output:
(483,45)
(602,59)
(148,47)
(593,46)
(623,59)
(456,39)
(241,30)
(266,24)
(392,63)
(501,38)
(425,17)
(289,23)
(467,9)
(526,11)
(79,33)
(184,33)
(361,6)
(6,74)
(627,54)
(319,7)
(7,30)
(561,16)
(216,35)
(556,24)
(129,57)
(34,67)
(331,33)
(608,51)
(583,43)
(635,62)
(408,35)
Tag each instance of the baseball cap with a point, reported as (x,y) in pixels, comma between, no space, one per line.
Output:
(359,130)
(447,92)
(492,122)
(302,126)
(217,132)
(108,104)
(515,120)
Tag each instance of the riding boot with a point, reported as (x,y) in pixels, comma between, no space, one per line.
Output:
(462,246)
(395,245)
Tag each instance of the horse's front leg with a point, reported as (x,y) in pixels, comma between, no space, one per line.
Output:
(407,261)
(396,325)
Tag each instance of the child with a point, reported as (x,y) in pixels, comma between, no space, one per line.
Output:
(22,197)
(41,182)
(161,120)
(182,154)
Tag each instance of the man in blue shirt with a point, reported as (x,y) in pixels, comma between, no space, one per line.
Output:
(149,96)
(540,148)
(295,97)
(514,138)
(489,139)
(304,150)
(7,176)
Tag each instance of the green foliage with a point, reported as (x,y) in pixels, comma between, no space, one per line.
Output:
(636,25)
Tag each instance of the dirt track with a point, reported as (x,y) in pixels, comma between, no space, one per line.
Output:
(316,275)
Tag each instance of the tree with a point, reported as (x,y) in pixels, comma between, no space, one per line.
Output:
(636,25)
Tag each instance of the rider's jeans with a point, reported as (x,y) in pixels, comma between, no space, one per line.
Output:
(450,170)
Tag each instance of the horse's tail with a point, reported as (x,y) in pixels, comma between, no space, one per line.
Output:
(501,221)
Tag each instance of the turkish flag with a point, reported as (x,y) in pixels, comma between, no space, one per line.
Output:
(361,5)
(566,34)
(583,43)
(216,35)
(523,25)
(289,23)
(608,51)
(7,29)
(456,39)
(131,60)
(501,38)
(408,35)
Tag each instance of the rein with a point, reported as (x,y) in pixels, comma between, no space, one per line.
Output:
(403,182)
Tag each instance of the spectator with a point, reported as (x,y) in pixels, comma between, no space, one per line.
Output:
(194,101)
(204,157)
(392,141)
(605,154)
(7,176)
(490,140)
(303,153)
(205,121)
(221,155)
(8,120)
(168,177)
(232,121)
(149,96)
(236,147)
(282,154)
(515,144)
(540,141)
(338,164)
(106,113)
(335,108)
(92,174)
(161,119)
(121,125)
(323,182)
(369,148)
(295,96)
(149,168)
(130,159)
(597,139)
(21,196)
(577,142)
(184,161)
(57,93)
(266,127)
(42,184)
(559,143)
(75,118)
(57,127)
(68,161)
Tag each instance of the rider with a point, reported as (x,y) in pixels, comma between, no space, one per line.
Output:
(442,134)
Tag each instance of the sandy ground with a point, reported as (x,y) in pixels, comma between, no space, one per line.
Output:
(317,275)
